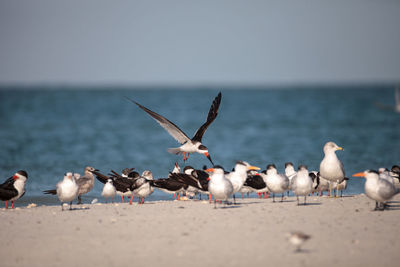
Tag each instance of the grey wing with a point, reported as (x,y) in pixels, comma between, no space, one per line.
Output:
(169,126)
(293,183)
(82,181)
(386,189)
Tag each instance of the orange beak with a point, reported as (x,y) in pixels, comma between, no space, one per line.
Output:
(15,177)
(209,158)
(210,170)
(359,174)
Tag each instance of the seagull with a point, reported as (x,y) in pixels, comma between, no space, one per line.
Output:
(85,182)
(331,168)
(219,187)
(276,183)
(239,175)
(297,239)
(290,173)
(109,190)
(13,188)
(302,183)
(378,189)
(189,146)
(66,190)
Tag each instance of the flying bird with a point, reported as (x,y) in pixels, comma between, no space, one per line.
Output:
(188,146)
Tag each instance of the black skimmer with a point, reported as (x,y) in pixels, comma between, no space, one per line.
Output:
(189,146)
(302,183)
(13,188)
(123,185)
(219,186)
(169,186)
(277,183)
(85,182)
(378,189)
(66,190)
(331,168)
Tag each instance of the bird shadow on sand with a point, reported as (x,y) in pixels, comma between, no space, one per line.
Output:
(310,204)
(79,208)
(393,201)
(232,206)
(302,251)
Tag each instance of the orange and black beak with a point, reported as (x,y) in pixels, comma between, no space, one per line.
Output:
(209,158)
(359,174)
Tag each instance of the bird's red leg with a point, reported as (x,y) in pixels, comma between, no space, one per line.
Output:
(184,156)
(130,200)
(6,205)
(209,198)
(122,199)
(187,156)
(242,195)
(12,204)
(175,196)
(179,198)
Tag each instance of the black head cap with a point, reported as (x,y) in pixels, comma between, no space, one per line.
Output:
(271,166)
(24,173)
(288,164)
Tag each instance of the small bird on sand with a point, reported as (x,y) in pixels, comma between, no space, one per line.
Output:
(297,239)
(302,183)
(66,190)
(13,188)
(189,146)
(85,182)
(276,182)
(378,189)
(109,190)
(219,187)
(142,187)
(331,168)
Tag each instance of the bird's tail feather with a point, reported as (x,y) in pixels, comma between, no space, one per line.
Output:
(50,192)
(175,151)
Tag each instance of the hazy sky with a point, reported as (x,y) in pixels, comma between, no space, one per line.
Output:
(199,42)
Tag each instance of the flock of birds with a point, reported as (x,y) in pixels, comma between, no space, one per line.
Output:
(215,182)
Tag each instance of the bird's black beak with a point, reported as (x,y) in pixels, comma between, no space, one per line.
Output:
(209,158)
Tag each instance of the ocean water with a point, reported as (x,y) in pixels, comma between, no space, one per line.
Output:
(48,132)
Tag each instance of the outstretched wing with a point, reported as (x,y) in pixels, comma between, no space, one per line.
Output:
(212,114)
(169,126)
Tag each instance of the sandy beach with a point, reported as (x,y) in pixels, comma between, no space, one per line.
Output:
(343,231)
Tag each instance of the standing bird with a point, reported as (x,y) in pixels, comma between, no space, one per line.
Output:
(85,182)
(66,190)
(331,168)
(13,188)
(277,183)
(378,189)
(142,187)
(219,187)
(189,146)
(297,239)
(302,183)
(239,175)
(109,190)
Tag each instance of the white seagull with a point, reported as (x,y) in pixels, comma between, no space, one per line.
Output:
(66,190)
(302,183)
(188,146)
(378,189)
(239,175)
(277,183)
(331,168)
(109,190)
(219,187)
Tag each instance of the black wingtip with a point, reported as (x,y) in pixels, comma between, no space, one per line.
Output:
(133,101)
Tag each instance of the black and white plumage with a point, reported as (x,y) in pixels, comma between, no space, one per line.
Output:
(14,187)
(142,187)
(189,145)
(123,185)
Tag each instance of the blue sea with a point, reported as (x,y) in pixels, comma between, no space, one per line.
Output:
(49,131)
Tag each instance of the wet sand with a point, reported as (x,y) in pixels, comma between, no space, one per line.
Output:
(343,231)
